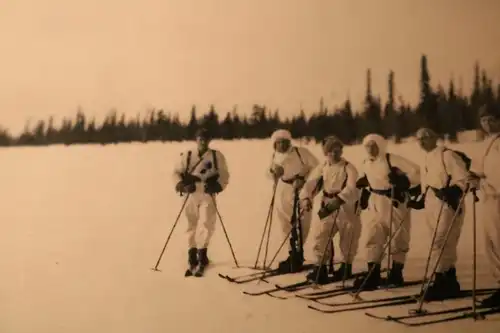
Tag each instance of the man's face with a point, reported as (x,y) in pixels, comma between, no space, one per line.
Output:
(372,149)
(202,143)
(427,142)
(282,145)
(333,151)
(489,124)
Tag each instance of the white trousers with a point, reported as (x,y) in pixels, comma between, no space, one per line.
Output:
(490,209)
(377,227)
(347,224)
(446,221)
(201,216)
(284,212)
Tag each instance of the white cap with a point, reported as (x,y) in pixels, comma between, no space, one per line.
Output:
(281,134)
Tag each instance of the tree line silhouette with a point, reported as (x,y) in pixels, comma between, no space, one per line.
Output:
(447,110)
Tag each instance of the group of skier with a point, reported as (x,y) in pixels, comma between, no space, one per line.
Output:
(386,185)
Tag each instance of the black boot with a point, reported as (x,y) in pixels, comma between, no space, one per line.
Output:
(192,261)
(434,291)
(290,265)
(491,301)
(453,286)
(444,286)
(193,257)
(202,257)
(395,278)
(344,272)
(373,280)
(322,277)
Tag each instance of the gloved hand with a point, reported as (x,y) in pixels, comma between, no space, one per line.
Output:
(212,187)
(298,183)
(277,171)
(417,203)
(182,187)
(306,204)
(330,207)
(362,182)
(399,180)
(451,192)
(415,191)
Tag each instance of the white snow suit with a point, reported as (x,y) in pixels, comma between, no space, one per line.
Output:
(380,207)
(200,206)
(297,161)
(490,202)
(339,180)
(441,168)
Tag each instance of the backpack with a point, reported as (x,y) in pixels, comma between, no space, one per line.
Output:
(395,170)
(467,160)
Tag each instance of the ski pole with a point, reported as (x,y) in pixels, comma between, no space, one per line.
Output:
(389,248)
(224,229)
(330,236)
(475,315)
(170,234)
(268,219)
(332,256)
(294,235)
(298,224)
(351,240)
(279,249)
(269,228)
(447,236)
(434,235)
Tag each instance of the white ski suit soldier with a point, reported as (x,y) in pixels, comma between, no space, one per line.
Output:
(444,180)
(336,178)
(487,179)
(201,173)
(379,174)
(289,168)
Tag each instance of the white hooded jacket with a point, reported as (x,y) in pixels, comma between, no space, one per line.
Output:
(377,169)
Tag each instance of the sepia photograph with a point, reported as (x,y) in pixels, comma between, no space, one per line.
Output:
(249,166)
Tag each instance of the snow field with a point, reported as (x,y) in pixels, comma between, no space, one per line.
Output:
(83,225)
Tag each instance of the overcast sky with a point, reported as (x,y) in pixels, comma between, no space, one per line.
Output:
(136,54)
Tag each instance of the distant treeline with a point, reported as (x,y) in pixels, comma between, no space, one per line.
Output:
(447,110)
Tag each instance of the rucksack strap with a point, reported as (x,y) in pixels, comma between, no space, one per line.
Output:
(214,157)
(388,159)
(298,154)
(491,144)
(346,176)
(188,161)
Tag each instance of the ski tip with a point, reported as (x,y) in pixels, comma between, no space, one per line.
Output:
(301,296)
(274,296)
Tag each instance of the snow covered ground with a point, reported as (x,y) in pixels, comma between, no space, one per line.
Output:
(82,226)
